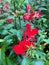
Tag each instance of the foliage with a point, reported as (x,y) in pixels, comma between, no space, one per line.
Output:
(13,20)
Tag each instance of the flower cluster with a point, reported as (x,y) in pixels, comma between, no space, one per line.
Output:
(28,35)
(35,14)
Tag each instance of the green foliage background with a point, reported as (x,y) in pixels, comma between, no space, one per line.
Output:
(11,32)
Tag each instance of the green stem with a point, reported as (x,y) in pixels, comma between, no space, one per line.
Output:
(15,17)
(3,56)
(14,6)
(19,22)
(15,23)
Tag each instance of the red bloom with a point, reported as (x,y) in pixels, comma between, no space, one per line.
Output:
(6,6)
(29,33)
(28,26)
(26,16)
(26,44)
(23,45)
(7,3)
(9,20)
(18,49)
(35,14)
(28,8)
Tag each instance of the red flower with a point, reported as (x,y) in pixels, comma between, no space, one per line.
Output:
(35,14)
(23,45)
(26,44)
(18,49)
(7,3)
(9,20)
(6,6)
(29,33)
(26,16)
(28,26)
(28,8)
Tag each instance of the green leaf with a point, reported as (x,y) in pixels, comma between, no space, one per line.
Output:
(37,62)
(41,8)
(8,26)
(3,59)
(26,1)
(41,54)
(7,0)
(0,56)
(1,22)
(26,61)
(44,19)
(46,63)
(0,6)
(9,61)
(19,34)
(46,40)
(1,40)
(5,32)
(13,31)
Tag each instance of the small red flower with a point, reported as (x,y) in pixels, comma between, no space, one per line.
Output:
(9,20)
(35,14)
(7,3)
(29,33)
(28,8)
(6,6)
(18,49)
(28,26)
(26,16)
